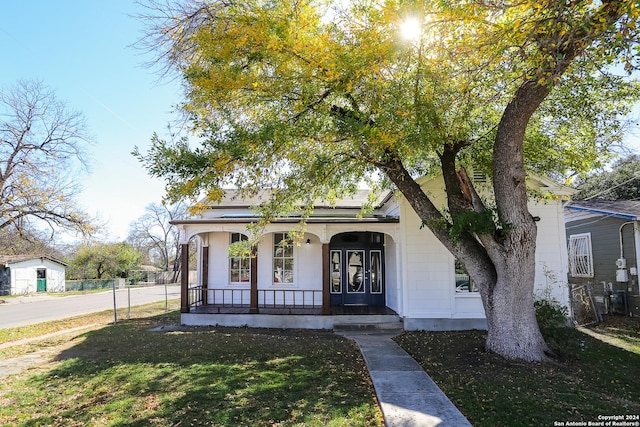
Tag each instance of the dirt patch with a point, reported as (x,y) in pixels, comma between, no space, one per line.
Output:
(40,351)
(19,364)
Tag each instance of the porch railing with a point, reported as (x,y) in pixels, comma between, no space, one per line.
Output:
(194,294)
(267,298)
(274,298)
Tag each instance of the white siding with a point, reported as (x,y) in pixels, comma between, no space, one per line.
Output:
(428,268)
(419,270)
(551,250)
(24,276)
(427,271)
(55,276)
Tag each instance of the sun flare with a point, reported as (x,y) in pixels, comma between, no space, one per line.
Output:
(410,29)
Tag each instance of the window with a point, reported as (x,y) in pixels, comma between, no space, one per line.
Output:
(463,281)
(336,272)
(355,271)
(239,267)
(580,256)
(376,271)
(282,259)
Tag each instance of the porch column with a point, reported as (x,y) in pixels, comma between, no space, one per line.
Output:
(326,280)
(205,274)
(253,304)
(184,278)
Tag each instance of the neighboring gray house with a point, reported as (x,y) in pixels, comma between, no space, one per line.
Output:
(603,241)
(23,274)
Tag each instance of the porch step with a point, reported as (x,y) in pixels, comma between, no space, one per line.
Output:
(377,326)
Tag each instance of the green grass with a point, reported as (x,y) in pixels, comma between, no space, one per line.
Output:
(590,377)
(126,375)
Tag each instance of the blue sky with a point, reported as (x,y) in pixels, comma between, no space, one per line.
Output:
(80,50)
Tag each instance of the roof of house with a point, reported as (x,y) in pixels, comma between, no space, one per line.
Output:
(232,198)
(537,182)
(235,209)
(13,259)
(627,209)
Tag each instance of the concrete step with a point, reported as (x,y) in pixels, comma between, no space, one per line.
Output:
(375,326)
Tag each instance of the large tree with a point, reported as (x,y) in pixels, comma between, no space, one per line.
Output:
(103,261)
(309,98)
(41,145)
(154,235)
(621,181)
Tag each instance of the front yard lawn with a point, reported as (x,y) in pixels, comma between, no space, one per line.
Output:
(590,379)
(126,375)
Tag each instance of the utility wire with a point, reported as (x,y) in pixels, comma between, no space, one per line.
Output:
(635,176)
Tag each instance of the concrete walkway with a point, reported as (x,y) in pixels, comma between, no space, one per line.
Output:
(407,396)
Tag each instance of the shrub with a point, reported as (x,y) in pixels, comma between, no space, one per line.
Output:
(551,315)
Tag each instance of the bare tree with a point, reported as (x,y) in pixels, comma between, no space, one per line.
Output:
(41,143)
(28,241)
(152,234)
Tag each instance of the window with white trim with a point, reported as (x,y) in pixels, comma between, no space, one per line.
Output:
(580,255)
(239,267)
(282,259)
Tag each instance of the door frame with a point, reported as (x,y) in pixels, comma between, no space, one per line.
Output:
(342,247)
(41,282)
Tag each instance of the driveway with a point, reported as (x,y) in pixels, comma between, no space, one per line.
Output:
(27,310)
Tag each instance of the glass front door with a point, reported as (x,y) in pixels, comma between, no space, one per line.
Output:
(357,282)
(357,273)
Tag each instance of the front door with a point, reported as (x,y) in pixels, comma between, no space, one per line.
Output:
(357,269)
(41,280)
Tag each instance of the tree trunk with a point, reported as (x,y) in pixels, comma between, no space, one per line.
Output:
(504,273)
(513,330)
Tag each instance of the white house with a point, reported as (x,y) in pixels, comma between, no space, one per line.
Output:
(22,274)
(349,268)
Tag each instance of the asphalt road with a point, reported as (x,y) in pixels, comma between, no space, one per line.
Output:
(22,311)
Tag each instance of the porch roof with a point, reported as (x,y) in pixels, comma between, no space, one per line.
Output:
(247,219)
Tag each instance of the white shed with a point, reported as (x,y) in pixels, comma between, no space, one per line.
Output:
(23,274)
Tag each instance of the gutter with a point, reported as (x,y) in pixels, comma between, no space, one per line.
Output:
(603,212)
(312,220)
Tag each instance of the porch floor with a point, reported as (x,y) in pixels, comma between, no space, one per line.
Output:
(338,310)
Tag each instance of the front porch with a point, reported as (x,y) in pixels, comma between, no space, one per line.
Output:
(279,309)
